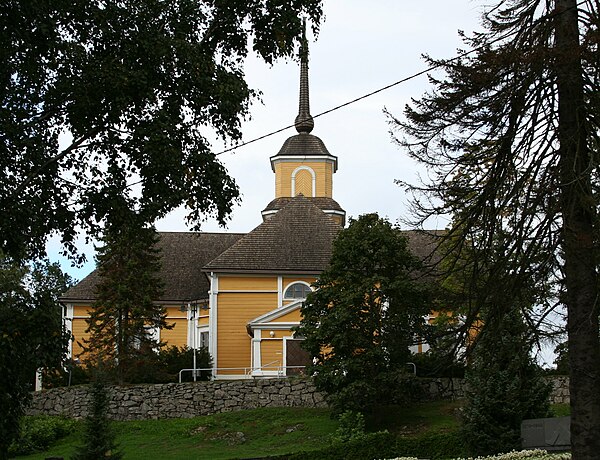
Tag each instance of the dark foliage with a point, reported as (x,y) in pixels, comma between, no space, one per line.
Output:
(133,89)
(31,335)
(39,433)
(173,359)
(125,311)
(99,436)
(363,316)
(504,387)
(510,137)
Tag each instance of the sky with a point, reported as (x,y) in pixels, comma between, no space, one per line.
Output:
(362,46)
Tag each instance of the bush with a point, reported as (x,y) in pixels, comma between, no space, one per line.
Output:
(39,432)
(371,445)
(173,359)
(437,365)
(432,445)
(78,374)
(352,426)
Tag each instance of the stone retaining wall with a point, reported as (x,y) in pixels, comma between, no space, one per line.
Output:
(181,400)
(560,390)
(184,400)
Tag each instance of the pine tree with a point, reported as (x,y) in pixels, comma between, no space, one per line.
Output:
(510,135)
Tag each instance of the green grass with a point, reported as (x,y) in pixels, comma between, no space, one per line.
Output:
(267,431)
(416,419)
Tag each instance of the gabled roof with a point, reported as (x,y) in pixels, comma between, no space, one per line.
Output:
(182,255)
(298,239)
(269,317)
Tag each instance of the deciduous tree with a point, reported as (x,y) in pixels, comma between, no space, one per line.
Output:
(364,315)
(510,136)
(115,99)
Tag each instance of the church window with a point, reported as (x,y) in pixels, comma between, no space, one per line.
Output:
(297,291)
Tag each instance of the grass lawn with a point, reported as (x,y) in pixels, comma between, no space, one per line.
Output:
(261,432)
(241,434)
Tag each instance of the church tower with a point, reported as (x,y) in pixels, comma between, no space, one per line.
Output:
(303,165)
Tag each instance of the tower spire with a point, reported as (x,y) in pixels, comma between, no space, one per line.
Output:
(304,121)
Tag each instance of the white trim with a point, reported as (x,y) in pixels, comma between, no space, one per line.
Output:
(212,319)
(274,326)
(256,355)
(68,325)
(334,211)
(242,291)
(313,175)
(279,291)
(312,158)
(232,377)
(277,313)
(269,212)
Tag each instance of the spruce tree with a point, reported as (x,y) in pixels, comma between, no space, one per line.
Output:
(99,437)
(504,386)
(126,310)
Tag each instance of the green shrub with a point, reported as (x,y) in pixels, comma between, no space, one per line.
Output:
(37,433)
(173,359)
(352,426)
(434,445)
(369,446)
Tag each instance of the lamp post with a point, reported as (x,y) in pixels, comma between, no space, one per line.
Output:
(192,307)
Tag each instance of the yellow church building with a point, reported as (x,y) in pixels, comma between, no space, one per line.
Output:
(247,289)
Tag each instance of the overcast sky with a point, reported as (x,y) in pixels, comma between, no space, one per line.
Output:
(362,46)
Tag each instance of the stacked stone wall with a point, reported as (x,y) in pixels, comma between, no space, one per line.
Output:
(185,400)
(180,400)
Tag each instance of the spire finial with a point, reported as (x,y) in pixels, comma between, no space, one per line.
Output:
(304,122)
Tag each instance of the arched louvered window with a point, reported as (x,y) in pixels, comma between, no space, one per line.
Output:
(297,291)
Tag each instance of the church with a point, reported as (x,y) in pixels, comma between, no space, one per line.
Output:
(240,295)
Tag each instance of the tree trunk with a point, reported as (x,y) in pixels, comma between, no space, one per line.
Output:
(578,212)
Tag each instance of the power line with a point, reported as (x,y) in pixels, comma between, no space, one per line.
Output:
(385,88)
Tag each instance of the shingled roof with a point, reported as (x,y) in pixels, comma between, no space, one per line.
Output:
(183,254)
(322,202)
(298,239)
(303,144)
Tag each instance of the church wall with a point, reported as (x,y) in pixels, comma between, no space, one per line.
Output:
(176,336)
(247,283)
(291,317)
(235,310)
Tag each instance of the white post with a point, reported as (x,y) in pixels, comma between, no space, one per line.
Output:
(38,380)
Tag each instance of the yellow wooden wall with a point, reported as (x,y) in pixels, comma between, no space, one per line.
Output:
(176,336)
(323,174)
(271,353)
(234,311)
